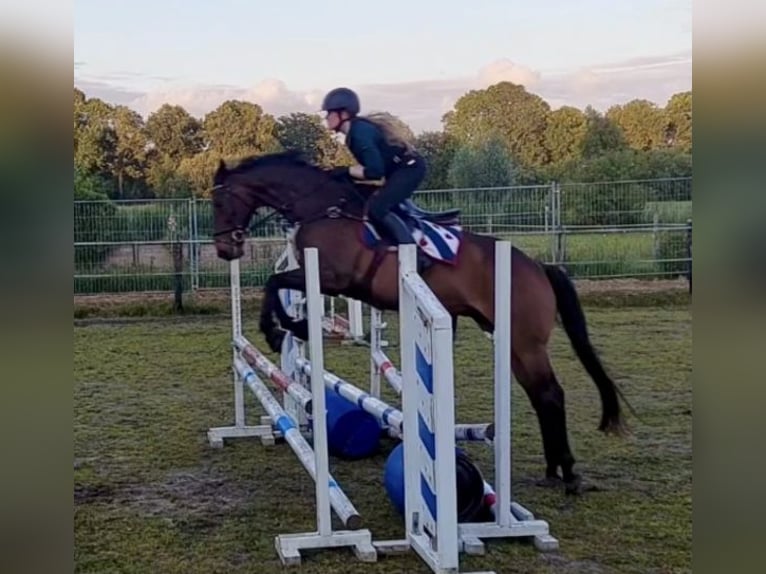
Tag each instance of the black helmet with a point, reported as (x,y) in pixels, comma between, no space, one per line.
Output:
(341,99)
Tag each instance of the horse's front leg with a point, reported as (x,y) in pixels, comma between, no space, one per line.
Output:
(272,306)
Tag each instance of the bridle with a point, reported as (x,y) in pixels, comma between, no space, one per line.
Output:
(238,233)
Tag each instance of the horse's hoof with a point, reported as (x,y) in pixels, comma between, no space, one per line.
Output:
(550,482)
(573,486)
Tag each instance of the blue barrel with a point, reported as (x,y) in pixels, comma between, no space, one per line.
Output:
(469,480)
(352,432)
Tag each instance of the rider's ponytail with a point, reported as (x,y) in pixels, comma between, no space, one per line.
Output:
(395,131)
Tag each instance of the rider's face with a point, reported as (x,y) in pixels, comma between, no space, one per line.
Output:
(333,120)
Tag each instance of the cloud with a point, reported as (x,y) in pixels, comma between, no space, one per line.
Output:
(654,79)
(507,71)
(108,92)
(422,104)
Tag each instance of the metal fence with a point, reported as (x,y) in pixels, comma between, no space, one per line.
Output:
(601,230)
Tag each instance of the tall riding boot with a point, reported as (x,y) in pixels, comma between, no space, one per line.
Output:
(396,229)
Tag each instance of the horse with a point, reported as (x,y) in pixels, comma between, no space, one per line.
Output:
(329,214)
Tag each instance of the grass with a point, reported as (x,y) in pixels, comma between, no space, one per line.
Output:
(152,496)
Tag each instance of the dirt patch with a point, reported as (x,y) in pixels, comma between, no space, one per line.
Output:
(89,493)
(630,285)
(182,496)
(186,495)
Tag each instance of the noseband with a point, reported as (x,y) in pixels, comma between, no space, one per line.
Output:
(237,233)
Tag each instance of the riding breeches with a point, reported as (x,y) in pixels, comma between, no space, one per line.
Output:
(400,185)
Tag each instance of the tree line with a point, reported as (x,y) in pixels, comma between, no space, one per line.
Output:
(499,136)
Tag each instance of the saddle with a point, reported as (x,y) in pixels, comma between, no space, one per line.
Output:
(408,211)
(447,217)
(437,234)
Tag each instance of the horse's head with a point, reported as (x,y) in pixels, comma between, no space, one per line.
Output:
(282,181)
(233,206)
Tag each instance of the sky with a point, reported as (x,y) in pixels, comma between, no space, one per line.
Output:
(412,58)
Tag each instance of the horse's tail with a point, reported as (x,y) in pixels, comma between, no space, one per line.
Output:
(573,320)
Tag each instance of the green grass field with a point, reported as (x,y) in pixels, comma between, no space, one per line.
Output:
(152,496)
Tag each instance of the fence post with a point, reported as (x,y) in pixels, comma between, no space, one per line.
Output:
(194,246)
(556,247)
(552,211)
(176,249)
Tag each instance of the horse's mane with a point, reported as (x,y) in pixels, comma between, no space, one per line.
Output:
(291,157)
(288,158)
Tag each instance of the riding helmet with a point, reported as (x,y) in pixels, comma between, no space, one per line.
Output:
(341,99)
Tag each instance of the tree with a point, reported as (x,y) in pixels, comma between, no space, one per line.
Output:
(89,187)
(109,142)
(565,134)
(629,164)
(164,179)
(237,128)
(197,172)
(95,140)
(482,164)
(339,155)
(438,149)
(79,118)
(602,135)
(129,158)
(505,110)
(642,123)
(305,132)
(678,117)
(174,132)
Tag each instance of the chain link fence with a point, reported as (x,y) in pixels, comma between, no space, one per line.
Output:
(638,229)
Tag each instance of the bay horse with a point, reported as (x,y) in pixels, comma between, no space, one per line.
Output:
(328,214)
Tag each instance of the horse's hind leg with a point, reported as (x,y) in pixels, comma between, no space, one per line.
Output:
(535,373)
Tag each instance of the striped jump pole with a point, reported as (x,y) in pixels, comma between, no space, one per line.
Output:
(382,366)
(292,435)
(391,417)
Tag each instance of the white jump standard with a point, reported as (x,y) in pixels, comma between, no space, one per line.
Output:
(426,422)
(328,493)
(427,390)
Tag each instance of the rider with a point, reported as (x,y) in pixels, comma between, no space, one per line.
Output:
(380,152)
